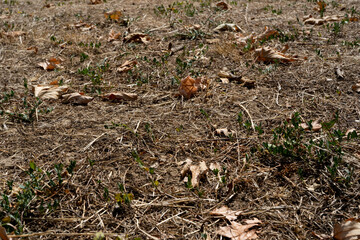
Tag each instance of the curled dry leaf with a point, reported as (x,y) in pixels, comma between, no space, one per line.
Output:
(228,27)
(237,231)
(223,5)
(224,132)
(266,34)
(50,64)
(113,35)
(3,234)
(189,86)
(339,73)
(214,166)
(319,21)
(49,92)
(315,126)
(197,172)
(225,212)
(113,15)
(120,96)
(242,40)
(77,98)
(13,34)
(33,48)
(266,54)
(137,37)
(126,66)
(225,77)
(350,230)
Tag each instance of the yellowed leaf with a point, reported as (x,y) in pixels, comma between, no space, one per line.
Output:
(49,92)
(126,66)
(350,230)
(237,231)
(119,96)
(77,98)
(113,15)
(226,212)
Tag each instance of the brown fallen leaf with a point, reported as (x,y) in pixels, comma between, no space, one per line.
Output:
(319,21)
(83,26)
(137,37)
(50,64)
(225,77)
(113,35)
(126,66)
(197,172)
(113,15)
(320,6)
(223,5)
(189,86)
(119,96)
(33,48)
(266,34)
(93,2)
(315,126)
(226,212)
(242,40)
(3,234)
(266,54)
(237,231)
(224,132)
(350,230)
(228,27)
(49,92)
(76,98)
(356,87)
(13,34)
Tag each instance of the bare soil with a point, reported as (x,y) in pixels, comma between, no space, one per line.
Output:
(162,129)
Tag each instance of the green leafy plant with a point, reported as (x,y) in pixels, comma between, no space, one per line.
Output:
(39,195)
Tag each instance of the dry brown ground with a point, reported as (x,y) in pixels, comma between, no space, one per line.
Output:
(165,129)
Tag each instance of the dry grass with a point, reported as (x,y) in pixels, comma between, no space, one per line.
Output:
(165,129)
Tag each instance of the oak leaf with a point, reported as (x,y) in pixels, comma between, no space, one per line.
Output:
(189,86)
(113,15)
(350,230)
(197,172)
(226,212)
(137,37)
(266,54)
(113,35)
(49,92)
(237,231)
(126,66)
(50,64)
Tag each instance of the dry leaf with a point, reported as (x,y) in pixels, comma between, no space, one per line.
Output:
(13,34)
(214,166)
(113,35)
(34,48)
(137,37)
(77,98)
(189,86)
(119,96)
(113,15)
(50,64)
(350,230)
(339,73)
(83,26)
(266,34)
(197,172)
(321,6)
(3,235)
(319,21)
(267,54)
(356,87)
(126,66)
(93,2)
(228,27)
(49,92)
(242,40)
(223,6)
(224,132)
(237,231)
(315,126)
(225,212)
